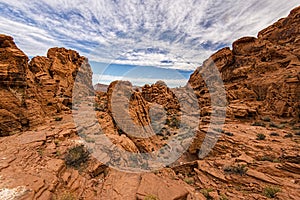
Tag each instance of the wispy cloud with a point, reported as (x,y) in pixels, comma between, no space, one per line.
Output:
(184,31)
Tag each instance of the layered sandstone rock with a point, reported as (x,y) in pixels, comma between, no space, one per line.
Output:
(13,67)
(38,89)
(260,74)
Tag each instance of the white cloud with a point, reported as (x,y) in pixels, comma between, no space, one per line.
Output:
(189,30)
(138,81)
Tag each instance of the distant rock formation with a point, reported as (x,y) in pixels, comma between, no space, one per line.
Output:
(38,89)
(100,87)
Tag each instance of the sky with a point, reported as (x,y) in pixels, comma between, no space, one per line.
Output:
(146,37)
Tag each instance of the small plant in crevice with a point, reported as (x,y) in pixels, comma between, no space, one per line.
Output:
(274,134)
(266,119)
(90,140)
(56,142)
(223,197)
(206,192)
(289,135)
(58,153)
(58,119)
(295,128)
(151,197)
(266,158)
(260,136)
(67,196)
(269,158)
(40,152)
(173,122)
(240,169)
(76,156)
(271,191)
(258,124)
(189,181)
(274,125)
(229,134)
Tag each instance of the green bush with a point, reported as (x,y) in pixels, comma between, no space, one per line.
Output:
(151,197)
(236,169)
(189,181)
(271,191)
(68,197)
(223,197)
(206,192)
(76,156)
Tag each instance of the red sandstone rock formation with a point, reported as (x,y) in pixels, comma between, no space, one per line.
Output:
(38,89)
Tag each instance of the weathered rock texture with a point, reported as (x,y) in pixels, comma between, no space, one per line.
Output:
(250,161)
(261,75)
(136,116)
(38,89)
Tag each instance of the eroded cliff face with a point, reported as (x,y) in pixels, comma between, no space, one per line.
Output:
(261,75)
(42,88)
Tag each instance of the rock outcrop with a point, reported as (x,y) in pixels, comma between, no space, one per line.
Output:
(38,89)
(261,75)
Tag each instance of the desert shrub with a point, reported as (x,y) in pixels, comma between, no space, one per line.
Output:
(58,119)
(151,197)
(289,135)
(236,169)
(296,128)
(76,156)
(206,192)
(189,181)
(40,152)
(274,125)
(99,107)
(173,122)
(223,197)
(274,134)
(271,191)
(259,124)
(219,130)
(229,134)
(269,158)
(90,140)
(266,119)
(260,136)
(65,196)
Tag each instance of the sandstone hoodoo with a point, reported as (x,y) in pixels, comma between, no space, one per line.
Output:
(44,154)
